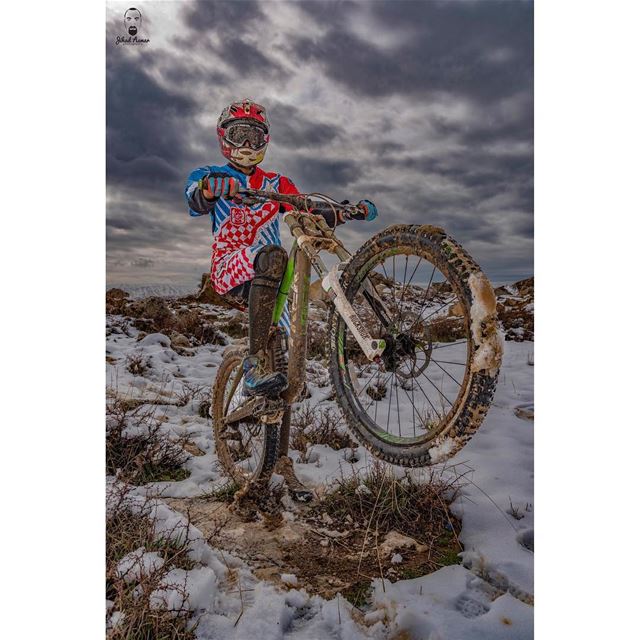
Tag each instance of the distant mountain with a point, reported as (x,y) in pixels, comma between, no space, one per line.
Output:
(163,290)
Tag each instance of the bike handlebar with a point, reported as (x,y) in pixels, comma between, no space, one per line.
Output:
(303,201)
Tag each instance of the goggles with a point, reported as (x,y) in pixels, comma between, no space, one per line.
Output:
(237,134)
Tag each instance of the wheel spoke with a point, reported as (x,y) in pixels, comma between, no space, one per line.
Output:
(441,307)
(438,390)
(427,397)
(424,299)
(372,399)
(389,412)
(450,344)
(461,364)
(448,374)
(404,278)
(393,287)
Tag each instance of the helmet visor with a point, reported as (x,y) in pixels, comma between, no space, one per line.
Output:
(239,133)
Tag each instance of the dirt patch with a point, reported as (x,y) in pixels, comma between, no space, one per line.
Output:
(327,555)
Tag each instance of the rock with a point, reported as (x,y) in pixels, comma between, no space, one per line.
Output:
(317,293)
(501,291)
(515,311)
(525,287)
(455,309)
(394,540)
(207,295)
(180,341)
(155,339)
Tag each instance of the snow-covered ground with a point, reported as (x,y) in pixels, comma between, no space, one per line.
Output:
(489,596)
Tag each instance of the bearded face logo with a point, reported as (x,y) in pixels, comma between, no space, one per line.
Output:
(132,21)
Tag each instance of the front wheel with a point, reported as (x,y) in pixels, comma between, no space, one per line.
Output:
(432,387)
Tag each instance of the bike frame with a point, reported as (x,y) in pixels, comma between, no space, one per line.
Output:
(312,235)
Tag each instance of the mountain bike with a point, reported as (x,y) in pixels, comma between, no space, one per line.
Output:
(414,347)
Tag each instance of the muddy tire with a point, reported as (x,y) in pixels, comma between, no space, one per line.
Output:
(252,458)
(479,339)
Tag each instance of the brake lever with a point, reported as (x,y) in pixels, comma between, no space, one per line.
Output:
(349,211)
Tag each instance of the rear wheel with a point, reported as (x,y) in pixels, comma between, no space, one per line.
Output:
(433,385)
(247,450)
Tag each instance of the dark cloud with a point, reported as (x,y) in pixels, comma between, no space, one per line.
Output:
(235,24)
(312,173)
(482,50)
(146,124)
(292,129)
(219,15)
(445,89)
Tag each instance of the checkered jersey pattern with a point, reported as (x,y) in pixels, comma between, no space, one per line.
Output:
(240,231)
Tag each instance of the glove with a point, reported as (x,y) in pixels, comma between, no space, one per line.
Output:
(369,211)
(219,185)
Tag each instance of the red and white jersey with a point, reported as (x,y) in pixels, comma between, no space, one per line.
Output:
(239,231)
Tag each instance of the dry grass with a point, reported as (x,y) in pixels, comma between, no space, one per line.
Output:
(137,449)
(358,526)
(137,364)
(382,502)
(317,341)
(446,329)
(131,527)
(160,315)
(310,425)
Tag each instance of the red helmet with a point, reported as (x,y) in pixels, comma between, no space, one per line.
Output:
(243,132)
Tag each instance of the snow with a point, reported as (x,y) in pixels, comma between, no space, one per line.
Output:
(199,583)
(138,563)
(162,289)
(488,596)
(451,603)
(489,347)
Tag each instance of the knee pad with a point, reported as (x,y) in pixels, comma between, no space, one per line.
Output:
(269,265)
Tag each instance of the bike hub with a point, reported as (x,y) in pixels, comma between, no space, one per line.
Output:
(403,349)
(397,350)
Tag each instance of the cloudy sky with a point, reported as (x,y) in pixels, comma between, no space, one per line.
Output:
(424,107)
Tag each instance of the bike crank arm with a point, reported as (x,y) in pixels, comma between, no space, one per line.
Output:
(372,347)
(265,409)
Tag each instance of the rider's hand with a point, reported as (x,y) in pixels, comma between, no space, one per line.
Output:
(368,209)
(219,185)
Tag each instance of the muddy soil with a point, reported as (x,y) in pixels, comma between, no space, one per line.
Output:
(326,557)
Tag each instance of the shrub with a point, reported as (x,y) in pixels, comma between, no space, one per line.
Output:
(130,532)
(311,426)
(380,500)
(137,364)
(137,449)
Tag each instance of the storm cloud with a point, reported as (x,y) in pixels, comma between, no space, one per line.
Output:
(424,107)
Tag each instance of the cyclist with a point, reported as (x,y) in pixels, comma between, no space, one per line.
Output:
(248,261)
